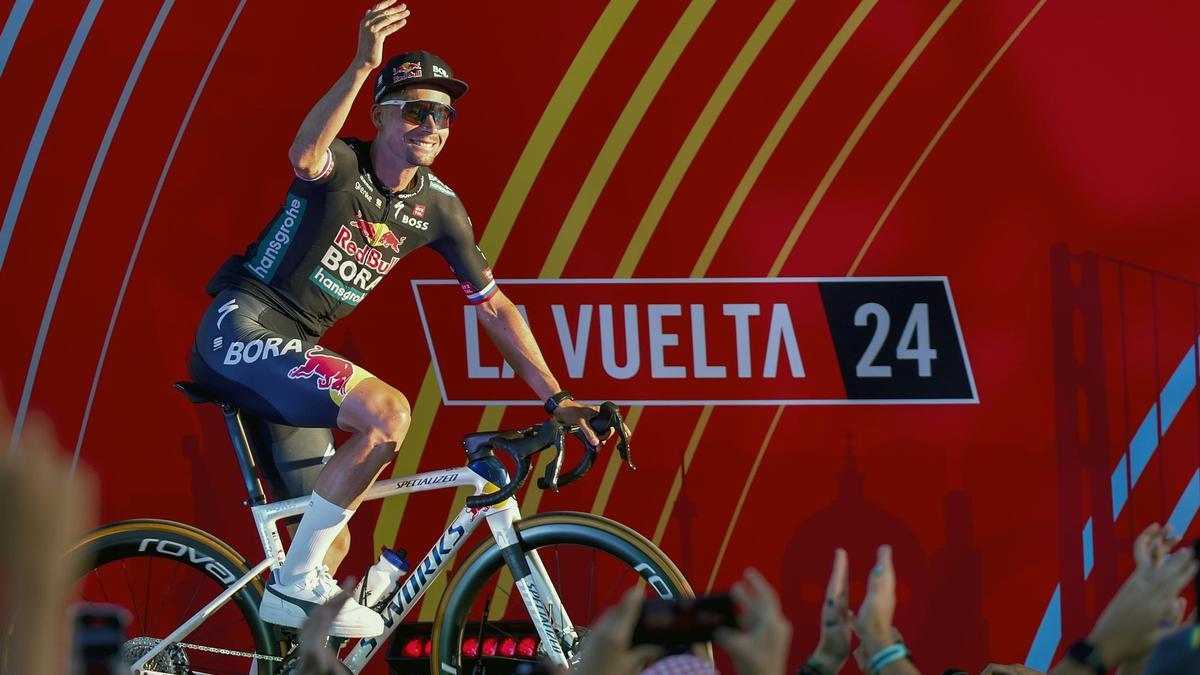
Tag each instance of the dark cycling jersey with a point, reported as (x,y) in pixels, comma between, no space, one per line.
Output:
(338,235)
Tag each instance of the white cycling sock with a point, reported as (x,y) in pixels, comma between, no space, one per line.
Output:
(318,528)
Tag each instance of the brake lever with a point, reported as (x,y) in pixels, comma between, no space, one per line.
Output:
(550,479)
(618,425)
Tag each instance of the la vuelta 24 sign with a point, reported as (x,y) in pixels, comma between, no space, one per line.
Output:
(834,341)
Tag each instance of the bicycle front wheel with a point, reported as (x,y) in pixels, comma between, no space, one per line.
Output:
(482,623)
(163,572)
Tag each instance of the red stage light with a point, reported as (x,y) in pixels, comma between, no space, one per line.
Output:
(489,646)
(527,646)
(428,647)
(508,647)
(412,648)
(471,647)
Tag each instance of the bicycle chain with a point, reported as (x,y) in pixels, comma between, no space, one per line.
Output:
(225,652)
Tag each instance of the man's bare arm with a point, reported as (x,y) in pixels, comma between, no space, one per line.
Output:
(511,335)
(325,120)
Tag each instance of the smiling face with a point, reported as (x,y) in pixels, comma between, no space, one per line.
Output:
(414,144)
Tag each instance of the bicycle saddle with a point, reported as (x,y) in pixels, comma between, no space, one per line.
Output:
(197,394)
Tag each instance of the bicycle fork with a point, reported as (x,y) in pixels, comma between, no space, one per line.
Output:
(545,608)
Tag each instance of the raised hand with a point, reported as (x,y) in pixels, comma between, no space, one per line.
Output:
(314,657)
(1145,608)
(873,625)
(833,650)
(607,649)
(761,646)
(381,20)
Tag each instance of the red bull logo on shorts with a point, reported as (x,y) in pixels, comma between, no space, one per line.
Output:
(405,71)
(333,373)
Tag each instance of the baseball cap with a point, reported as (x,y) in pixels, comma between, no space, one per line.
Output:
(419,67)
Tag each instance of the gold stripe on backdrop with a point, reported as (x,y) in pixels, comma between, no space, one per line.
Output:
(688,454)
(585,200)
(814,76)
(737,510)
(938,136)
(698,134)
(562,102)
(852,142)
(619,135)
(866,245)
(776,135)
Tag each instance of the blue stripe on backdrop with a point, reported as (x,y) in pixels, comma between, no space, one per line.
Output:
(1049,634)
(43,124)
(137,247)
(85,200)
(1141,450)
(1088,549)
(12,28)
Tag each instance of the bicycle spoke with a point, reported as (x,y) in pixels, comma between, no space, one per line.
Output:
(167,591)
(592,586)
(149,576)
(100,582)
(132,595)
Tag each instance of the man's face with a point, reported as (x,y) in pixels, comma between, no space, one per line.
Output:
(418,144)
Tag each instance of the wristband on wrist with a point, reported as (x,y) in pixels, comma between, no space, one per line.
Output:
(553,402)
(887,656)
(1085,654)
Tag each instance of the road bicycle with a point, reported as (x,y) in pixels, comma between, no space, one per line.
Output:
(566,568)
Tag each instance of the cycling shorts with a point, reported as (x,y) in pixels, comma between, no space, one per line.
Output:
(263,362)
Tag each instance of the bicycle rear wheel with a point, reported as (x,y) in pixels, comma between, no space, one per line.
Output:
(163,572)
(591,561)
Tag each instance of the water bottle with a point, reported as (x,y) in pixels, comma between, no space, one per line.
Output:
(381,579)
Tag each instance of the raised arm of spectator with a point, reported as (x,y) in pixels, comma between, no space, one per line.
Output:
(833,648)
(761,646)
(45,514)
(1144,610)
(884,653)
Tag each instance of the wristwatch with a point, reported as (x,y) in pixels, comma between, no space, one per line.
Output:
(1085,654)
(554,401)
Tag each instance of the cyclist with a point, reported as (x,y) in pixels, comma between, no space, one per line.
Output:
(354,209)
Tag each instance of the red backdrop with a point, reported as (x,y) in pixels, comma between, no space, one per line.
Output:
(1039,155)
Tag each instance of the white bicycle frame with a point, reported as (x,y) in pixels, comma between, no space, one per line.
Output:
(536,590)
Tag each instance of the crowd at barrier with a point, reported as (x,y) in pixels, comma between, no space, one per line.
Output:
(1143,630)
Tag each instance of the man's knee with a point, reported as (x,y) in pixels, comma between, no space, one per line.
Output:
(389,422)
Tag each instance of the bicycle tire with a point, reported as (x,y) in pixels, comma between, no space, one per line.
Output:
(541,531)
(194,549)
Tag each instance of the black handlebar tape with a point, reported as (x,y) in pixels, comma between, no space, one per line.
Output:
(480,501)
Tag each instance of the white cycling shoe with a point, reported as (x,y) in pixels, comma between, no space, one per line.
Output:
(290,604)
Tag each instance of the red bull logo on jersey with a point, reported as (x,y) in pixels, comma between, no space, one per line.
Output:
(406,71)
(377,234)
(333,373)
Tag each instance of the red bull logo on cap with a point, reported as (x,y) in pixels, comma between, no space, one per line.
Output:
(406,71)
(333,373)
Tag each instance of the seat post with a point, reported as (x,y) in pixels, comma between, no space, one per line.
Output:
(241,448)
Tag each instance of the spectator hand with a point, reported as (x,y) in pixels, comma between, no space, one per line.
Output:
(761,646)
(607,647)
(836,618)
(1146,607)
(873,625)
(314,656)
